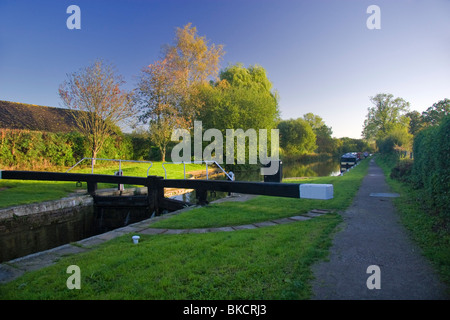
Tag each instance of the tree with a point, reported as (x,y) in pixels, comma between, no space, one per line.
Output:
(158,96)
(161,133)
(193,61)
(416,122)
(398,139)
(240,101)
(324,141)
(386,113)
(243,98)
(438,111)
(316,122)
(346,144)
(254,77)
(168,90)
(94,94)
(296,137)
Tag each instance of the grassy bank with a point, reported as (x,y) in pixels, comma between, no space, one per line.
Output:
(425,228)
(267,263)
(264,208)
(17,192)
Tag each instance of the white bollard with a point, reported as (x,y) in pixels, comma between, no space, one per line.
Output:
(135,239)
(316,191)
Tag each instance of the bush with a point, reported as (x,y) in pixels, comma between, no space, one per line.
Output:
(140,142)
(116,147)
(397,139)
(79,145)
(402,171)
(431,165)
(26,149)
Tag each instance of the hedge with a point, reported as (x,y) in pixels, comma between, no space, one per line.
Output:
(27,149)
(431,169)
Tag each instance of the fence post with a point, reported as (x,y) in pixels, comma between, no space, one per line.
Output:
(201,195)
(155,194)
(92,187)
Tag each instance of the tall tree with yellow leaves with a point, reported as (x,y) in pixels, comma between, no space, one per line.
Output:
(168,89)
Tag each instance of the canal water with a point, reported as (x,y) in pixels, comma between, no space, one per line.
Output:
(300,169)
(20,236)
(290,170)
(27,234)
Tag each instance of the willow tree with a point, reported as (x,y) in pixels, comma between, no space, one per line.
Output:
(99,104)
(243,98)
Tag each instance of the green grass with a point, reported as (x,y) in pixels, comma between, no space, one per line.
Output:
(264,208)
(266,263)
(424,228)
(18,192)
(25,192)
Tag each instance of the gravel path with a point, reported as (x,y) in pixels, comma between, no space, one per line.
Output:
(372,234)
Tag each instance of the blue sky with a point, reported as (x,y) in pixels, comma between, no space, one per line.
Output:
(319,55)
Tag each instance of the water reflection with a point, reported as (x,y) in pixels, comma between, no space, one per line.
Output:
(295,169)
(313,169)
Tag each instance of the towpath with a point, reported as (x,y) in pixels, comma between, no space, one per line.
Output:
(372,235)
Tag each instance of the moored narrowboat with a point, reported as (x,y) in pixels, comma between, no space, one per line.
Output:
(348,159)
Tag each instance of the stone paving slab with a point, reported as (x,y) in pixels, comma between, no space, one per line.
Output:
(245,227)
(68,249)
(141,225)
(176,231)
(265,224)
(8,273)
(128,229)
(322,211)
(108,235)
(300,218)
(153,231)
(17,267)
(199,230)
(92,241)
(313,215)
(222,229)
(35,261)
(282,221)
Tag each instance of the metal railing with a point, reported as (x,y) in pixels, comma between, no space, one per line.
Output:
(230,175)
(117,160)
